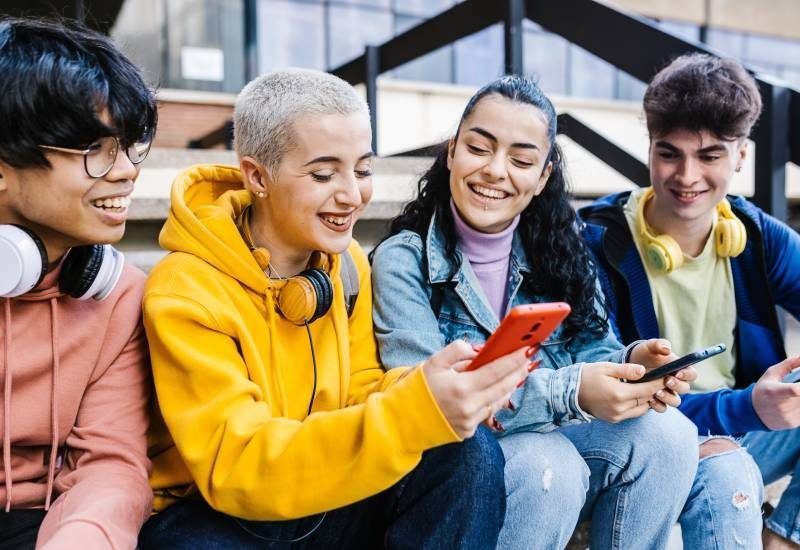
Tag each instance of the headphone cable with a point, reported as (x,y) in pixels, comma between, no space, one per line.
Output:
(314,363)
(310,405)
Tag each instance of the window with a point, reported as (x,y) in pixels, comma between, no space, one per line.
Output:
(590,76)
(545,57)
(203,33)
(352,28)
(479,58)
(290,34)
(437,66)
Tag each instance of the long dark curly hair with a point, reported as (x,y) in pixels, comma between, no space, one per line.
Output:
(562,267)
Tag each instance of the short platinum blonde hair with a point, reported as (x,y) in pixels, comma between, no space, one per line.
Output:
(268,106)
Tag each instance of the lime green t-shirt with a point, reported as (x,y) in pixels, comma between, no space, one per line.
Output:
(695,305)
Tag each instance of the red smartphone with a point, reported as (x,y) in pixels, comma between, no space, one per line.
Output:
(524,326)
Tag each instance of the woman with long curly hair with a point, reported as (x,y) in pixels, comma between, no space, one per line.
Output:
(492,228)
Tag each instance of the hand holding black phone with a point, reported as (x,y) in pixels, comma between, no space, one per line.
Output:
(680,363)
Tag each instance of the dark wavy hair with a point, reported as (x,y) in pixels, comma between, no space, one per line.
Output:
(56,77)
(562,266)
(699,92)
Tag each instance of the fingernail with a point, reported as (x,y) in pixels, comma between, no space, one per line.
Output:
(680,375)
(530,352)
(671,383)
(498,425)
(660,394)
(534,364)
(510,405)
(477,347)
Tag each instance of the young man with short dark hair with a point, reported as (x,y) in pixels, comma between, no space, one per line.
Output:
(76,119)
(684,260)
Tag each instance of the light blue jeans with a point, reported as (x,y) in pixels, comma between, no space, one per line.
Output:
(639,475)
(546,485)
(724,506)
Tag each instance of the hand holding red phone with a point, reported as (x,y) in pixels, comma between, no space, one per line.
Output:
(466,398)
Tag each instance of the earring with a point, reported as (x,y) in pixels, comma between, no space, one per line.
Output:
(738,169)
(261,194)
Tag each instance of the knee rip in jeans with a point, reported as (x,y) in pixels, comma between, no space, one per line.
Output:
(723,445)
(740,500)
(547,479)
(718,445)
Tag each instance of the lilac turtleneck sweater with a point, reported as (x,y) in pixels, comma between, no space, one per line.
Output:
(489,255)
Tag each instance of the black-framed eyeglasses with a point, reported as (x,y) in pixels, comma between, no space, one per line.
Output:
(100,156)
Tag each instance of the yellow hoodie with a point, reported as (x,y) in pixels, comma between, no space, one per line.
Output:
(233,378)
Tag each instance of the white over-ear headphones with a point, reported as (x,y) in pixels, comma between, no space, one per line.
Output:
(89,271)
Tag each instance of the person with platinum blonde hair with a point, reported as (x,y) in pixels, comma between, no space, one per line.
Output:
(269,106)
(279,423)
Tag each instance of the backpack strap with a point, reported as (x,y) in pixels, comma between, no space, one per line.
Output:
(350,282)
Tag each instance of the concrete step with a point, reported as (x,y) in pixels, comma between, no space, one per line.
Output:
(394,184)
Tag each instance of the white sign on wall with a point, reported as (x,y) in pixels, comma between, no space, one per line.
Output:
(202,64)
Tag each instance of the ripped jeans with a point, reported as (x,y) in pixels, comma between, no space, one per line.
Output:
(724,506)
(631,479)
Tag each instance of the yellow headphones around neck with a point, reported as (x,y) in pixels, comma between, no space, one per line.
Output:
(303,298)
(664,253)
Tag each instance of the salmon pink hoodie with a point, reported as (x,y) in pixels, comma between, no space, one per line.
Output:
(76,373)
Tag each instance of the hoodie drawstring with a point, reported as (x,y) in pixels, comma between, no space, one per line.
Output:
(53,404)
(7,404)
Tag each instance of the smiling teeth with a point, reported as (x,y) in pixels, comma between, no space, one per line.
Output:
(489,192)
(687,194)
(116,202)
(336,220)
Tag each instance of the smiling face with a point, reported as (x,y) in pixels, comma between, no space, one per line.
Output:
(63,205)
(690,173)
(313,198)
(498,162)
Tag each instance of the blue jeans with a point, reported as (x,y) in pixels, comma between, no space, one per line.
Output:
(453,499)
(724,506)
(546,485)
(641,473)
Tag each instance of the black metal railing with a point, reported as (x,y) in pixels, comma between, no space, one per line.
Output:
(631,43)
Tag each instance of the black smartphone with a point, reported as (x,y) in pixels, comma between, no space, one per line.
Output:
(680,363)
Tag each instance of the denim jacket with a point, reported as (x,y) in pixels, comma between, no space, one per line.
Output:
(408,328)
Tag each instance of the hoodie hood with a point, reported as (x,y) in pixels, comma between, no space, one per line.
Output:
(205,202)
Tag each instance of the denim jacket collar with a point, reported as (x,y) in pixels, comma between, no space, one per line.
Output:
(467,286)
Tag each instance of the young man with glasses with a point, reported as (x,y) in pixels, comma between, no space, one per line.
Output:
(76,120)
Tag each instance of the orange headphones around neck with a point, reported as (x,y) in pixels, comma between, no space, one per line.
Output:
(663,252)
(303,298)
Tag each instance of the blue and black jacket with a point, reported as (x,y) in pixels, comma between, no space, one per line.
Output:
(765,275)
